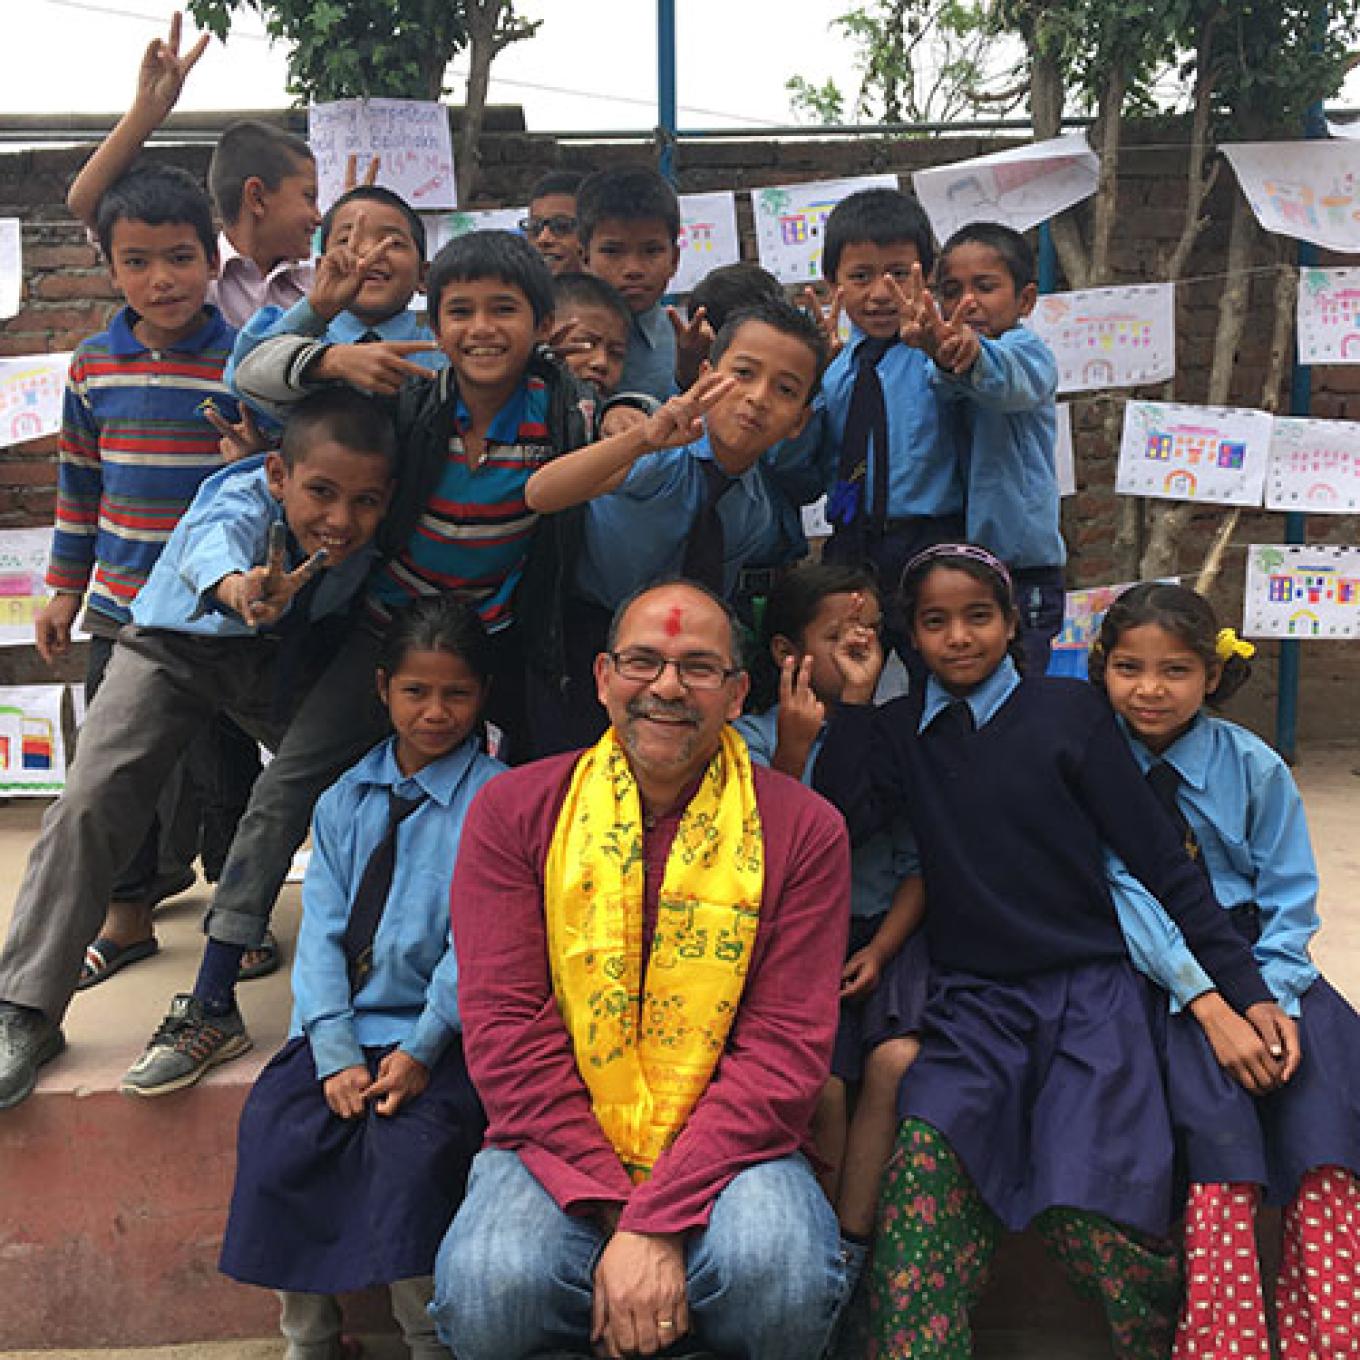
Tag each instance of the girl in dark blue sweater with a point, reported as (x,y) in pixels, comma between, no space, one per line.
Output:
(1036,1097)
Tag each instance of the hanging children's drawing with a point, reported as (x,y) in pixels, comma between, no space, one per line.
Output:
(1083,611)
(1314,466)
(1019,188)
(789,222)
(1193,453)
(1329,316)
(1308,190)
(708,237)
(30,396)
(1109,337)
(11,266)
(409,137)
(441,228)
(1064,452)
(32,751)
(1302,591)
(23,592)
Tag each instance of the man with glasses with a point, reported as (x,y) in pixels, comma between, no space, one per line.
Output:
(551,226)
(649,937)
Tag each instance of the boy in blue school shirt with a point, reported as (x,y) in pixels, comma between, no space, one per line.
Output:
(213,631)
(895,481)
(998,381)
(629,220)
(699,510)
(359,304)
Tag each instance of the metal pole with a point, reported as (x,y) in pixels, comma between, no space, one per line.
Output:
(665,85)
(1295,522)
(1048,260)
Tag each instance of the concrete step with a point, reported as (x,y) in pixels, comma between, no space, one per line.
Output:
(112,1210)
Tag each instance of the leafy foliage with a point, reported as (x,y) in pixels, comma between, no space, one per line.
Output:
(919,61)
(347,49)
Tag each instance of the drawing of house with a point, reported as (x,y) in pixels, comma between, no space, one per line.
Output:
(1339,308)
(696,236)
(798,228)
(1160,445)
(1232,453)
(38,744)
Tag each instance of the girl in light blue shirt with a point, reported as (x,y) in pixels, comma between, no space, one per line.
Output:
(1248,1116)
(355,1143)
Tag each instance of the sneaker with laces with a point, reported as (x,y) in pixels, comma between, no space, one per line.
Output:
(188,1042)
(27,1040)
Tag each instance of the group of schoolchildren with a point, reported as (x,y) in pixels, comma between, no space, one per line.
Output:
(389,550)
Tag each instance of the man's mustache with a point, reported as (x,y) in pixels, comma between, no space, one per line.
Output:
(675,711)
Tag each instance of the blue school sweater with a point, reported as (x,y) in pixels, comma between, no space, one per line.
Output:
(1012,820)
(1006,416)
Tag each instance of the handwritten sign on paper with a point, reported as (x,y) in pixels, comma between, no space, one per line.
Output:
(1307,190)
(1109,337)
(410,138)
(31,390)
(1019,188)
(708,237)
(1302,591)
(790,221)
(1328,315)
(11,266)
(32,750)
(441,228)
(1314,466)
(1193,453)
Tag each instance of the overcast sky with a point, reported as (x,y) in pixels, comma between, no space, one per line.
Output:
(733,57)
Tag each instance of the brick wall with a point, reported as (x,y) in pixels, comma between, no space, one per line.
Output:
(68,296)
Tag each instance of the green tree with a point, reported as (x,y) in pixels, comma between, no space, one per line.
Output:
(395,49)
(918,61)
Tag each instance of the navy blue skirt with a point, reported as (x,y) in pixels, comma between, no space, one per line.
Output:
(891,1010)
(1049,1091)
(1223,1134)
(327,1205)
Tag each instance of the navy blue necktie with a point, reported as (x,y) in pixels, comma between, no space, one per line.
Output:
(370,898)
(866,430)
(706,546)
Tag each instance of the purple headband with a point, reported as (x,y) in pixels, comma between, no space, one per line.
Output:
(943,552)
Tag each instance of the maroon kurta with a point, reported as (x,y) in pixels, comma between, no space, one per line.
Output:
(759,1103)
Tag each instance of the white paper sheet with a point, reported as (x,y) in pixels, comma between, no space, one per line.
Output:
(1314,466)
(30,396)
(1109,337)
(708,237)
(1193,453)
(1064,453)
(23,567)
(1308,190)
(1019,188)
(441,228)
(410,138)
(1302,591)
(1328,315)
(11,266)
(32,750)
(789,222)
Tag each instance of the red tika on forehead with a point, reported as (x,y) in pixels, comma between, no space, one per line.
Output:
(674,621)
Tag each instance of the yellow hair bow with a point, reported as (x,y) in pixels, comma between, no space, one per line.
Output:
(1229,645)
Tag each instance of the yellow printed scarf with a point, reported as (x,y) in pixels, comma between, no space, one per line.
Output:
(646,1055)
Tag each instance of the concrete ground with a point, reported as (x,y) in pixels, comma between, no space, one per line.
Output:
(107,1025)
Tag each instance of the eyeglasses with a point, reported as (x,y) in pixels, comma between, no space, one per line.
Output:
(560,225)
(694,672)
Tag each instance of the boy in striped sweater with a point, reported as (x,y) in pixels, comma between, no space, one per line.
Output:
(135,446)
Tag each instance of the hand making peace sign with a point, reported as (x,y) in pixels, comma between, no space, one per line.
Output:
(261,595)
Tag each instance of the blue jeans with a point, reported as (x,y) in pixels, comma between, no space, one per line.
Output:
(514,1277)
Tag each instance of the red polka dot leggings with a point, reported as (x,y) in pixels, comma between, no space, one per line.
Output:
(1317,1295)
